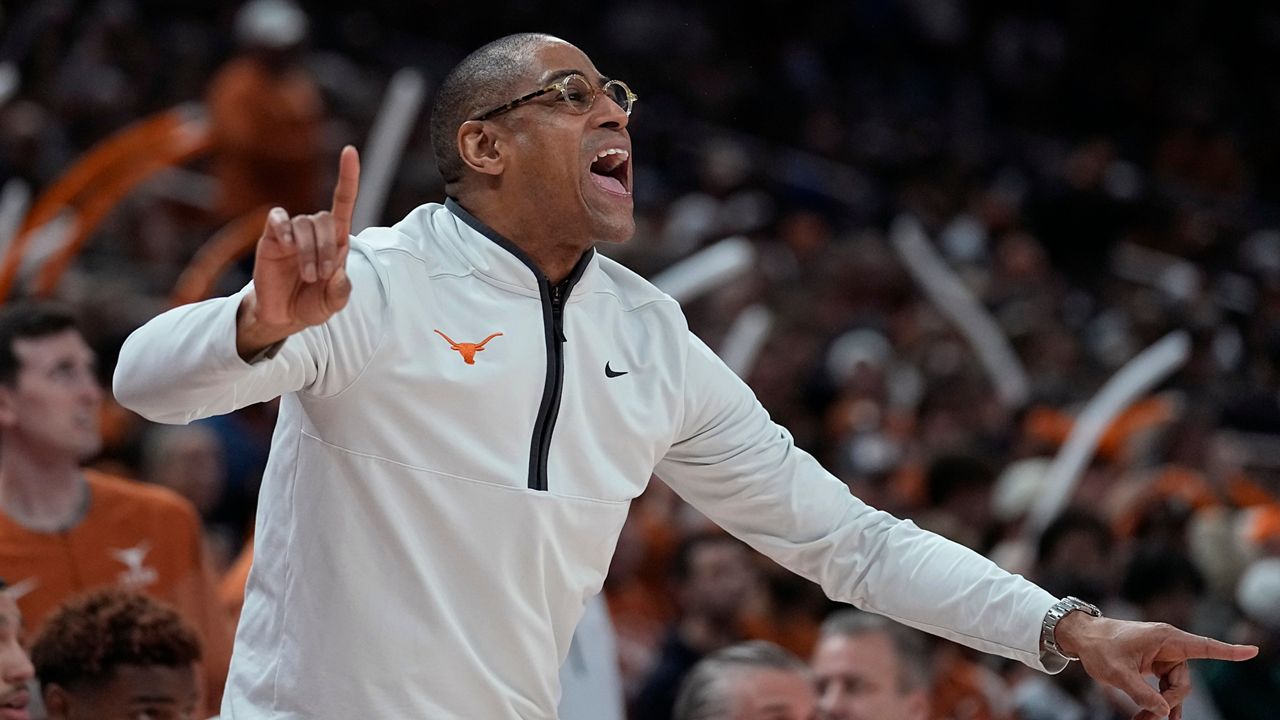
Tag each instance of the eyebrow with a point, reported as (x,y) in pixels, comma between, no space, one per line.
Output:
(776,711)
(554,75)
(91,359)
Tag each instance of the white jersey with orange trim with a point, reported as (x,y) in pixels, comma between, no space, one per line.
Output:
(454,459)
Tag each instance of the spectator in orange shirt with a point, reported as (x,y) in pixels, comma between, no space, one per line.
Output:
(232,583)
(117,655)
(266,113)
(64,529)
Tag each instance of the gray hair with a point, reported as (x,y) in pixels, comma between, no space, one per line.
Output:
(705,693)
(911,645)
(483,80)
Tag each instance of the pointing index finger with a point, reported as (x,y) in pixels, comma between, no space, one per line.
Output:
(1198,647)
(1218,650)
(344,193)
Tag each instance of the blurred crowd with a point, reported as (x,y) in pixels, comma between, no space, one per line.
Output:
(1097,175)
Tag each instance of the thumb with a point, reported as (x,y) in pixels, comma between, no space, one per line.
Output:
(1147,697)
(277,227)
(337,290)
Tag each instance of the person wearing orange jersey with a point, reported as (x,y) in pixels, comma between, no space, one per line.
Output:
(266,114)
(65,529)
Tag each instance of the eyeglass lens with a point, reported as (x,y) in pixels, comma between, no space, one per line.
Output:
(578,93)
(618,93)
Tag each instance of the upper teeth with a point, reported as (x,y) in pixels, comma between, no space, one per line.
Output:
(613,151)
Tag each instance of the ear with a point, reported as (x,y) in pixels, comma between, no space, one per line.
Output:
(480,147)
(57,704)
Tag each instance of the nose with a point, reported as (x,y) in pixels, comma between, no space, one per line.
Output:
(88,391)
(15,668)
(91,391)
(610,114)
(829,703)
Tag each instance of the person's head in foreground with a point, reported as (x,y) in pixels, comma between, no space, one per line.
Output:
(49,392)
(15,668)
(116,655)
(868,667)
(530,136)
(753,680)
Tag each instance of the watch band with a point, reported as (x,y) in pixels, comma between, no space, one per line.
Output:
(1051,655)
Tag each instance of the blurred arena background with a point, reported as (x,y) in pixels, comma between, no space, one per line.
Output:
(927,232)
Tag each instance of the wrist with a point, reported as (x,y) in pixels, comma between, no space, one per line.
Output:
(1070,630)
(253,336)
(1063,629)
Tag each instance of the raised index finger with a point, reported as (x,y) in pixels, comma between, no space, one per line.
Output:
(344,193)
(1196,647)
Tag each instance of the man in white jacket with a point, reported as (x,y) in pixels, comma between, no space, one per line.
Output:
(471,399)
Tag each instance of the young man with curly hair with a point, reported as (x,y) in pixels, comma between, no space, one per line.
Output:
(117,655)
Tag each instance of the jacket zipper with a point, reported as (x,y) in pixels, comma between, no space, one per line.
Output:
(550,409)
(553,300)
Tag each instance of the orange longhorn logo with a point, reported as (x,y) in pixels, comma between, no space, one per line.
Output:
(467,350)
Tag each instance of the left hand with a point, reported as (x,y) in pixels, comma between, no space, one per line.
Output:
(1120,652)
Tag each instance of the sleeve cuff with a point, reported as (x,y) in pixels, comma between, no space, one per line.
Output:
(267,353)
(1052,662)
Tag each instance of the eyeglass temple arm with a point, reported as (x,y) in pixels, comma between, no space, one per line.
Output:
(516,103)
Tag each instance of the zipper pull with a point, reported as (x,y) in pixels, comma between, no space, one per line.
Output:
(557,311)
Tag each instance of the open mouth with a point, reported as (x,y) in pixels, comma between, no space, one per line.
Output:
(610,169)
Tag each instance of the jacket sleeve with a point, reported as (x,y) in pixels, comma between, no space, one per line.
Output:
(743,471)
(183,365)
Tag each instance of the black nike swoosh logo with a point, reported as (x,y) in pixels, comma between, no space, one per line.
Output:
(610,372)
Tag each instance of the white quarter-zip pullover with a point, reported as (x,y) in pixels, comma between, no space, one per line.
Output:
(454,458)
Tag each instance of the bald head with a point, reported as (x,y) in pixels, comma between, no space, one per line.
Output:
(484,79)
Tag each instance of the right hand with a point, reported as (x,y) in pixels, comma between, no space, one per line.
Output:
(299,270)
(1120,652)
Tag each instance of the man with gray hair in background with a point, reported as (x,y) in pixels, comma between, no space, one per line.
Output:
(754,680)
(867,666)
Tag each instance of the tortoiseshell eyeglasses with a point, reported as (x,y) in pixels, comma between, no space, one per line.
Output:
(576,92)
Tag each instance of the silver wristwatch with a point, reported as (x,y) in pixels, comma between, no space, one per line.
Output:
(1051,655)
